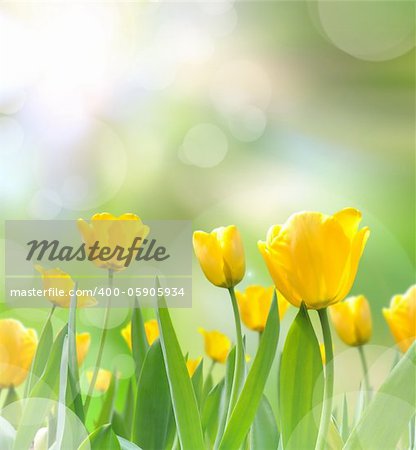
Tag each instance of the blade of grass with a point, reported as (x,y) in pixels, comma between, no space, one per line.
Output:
(185,407)
(251,394)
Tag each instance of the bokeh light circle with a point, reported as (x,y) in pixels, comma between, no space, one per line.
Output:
(45,204)
(204,145)
(11,136)
(372,31)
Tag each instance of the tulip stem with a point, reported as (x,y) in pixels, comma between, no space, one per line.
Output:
(365,371)
(239,356)
(102,342)
(329,380)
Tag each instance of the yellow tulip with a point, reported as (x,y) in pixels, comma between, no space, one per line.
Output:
(401,318)
(151,329)
(314,257)
(217,345)
(254,305)
(83,341)
(57,282)
(17,349)
(103,379)
(352,320)
(111,231)
(192,364)
(221,255)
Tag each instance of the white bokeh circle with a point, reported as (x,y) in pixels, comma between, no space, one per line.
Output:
(204,145)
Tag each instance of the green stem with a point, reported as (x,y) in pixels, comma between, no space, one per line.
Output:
(211,368)
(101,347)
(239,356)
(329,380)
(260,335)
(365,371)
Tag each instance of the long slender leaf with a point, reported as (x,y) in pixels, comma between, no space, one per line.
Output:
(128,410)
(41,356)
(185,407)
(127,445)
(153,425)
(264,433)
(73,397)
(225,396)
(211,413)
(249,399)
(139,342)
(387,416)
(301,385)
(198,382)
(107,408)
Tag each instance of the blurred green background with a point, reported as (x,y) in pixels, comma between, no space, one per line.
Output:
(223,112)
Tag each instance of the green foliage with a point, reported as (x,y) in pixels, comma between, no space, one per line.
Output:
(300,385)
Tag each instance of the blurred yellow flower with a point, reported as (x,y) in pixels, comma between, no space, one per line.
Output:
(111,231)
(221,255)
(192,364)
(103,379)
(401,318)
(217,345)
(17,349)
(314,257)
(83,341)
(151,329)
(352,320)
(58,285)
(254,305)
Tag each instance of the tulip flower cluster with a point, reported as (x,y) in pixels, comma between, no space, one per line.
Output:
(171,400)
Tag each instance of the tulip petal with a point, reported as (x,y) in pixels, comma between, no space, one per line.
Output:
(209,255)
(349,219)
(232,253)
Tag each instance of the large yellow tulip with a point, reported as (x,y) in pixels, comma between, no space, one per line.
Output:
(58,285)
(254,304)
(221,255)
(151,329)
(314,257)
(17,349)
(111,231)
(83,342)
(352,320)
(217,345)
(401,318)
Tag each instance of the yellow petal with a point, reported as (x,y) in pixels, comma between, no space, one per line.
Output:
(103,379)
(217,345)
(192,365)
(126,333)
(350,219)
(17,349)
(151,329)
(208,252)
(83,341)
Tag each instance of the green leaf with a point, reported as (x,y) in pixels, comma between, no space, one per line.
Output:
(119,426)
(301,385)
(128,410)
(264,432)
(153,424)
(247,404)
(185,407)
(42,354)
(139,342)
(344,423)
(127,445)
(102,438)
(46,387)
(386,417)
(226,393)
(211,413)
(198,382)
(73,396)
(334,440)
(107,408)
